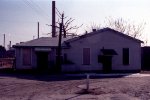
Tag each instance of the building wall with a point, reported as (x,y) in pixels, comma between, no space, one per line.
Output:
(108,40)
(19,59)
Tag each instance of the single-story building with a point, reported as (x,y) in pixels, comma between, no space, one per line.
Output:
(102,50)
(145,58)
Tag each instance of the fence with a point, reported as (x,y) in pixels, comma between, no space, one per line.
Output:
(6,62)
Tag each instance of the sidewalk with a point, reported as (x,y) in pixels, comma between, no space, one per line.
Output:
(111,75)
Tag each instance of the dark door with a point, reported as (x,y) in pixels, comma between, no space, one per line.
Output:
(42,61)
(107,64)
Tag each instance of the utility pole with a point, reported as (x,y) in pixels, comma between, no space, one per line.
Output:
(38,30)
(4,40)
(33,37)
(9,45)
(59,48)
(53,20)
(63,26)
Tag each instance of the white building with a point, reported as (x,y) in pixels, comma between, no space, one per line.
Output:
(103,50)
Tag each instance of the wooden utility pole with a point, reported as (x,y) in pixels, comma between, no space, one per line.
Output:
(38,30)
(59,48)
(4,40)
(9,45)
(63,26)
(61,29)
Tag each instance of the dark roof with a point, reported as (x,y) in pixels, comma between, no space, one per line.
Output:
(104,30)
(53,41)
(41,42)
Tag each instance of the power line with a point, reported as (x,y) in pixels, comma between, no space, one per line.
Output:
(27,3)
(38,7)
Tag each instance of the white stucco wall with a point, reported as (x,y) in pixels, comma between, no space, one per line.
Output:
(19,59)
(96,42)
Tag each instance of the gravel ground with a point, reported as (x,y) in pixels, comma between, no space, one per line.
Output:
(46,87)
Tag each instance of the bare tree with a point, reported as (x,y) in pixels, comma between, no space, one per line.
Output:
(126,27)
(132,29)
(92,26)
(68,28)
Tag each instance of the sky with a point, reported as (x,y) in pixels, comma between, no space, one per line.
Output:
(18,18)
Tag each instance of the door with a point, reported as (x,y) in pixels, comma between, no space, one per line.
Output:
(42,61)
(107,64)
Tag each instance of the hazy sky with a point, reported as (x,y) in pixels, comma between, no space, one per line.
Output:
(18,18)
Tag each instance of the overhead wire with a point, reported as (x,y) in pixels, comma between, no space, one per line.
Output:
(38,7)
(27,3)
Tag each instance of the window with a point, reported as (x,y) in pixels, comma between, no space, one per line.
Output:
(26,53)
(86,56)
(125,56)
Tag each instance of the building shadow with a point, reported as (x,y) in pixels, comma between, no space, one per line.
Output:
(46,76)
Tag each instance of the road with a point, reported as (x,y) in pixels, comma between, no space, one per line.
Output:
(58,87)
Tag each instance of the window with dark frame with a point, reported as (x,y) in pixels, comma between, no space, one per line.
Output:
(125,56)
(86,56)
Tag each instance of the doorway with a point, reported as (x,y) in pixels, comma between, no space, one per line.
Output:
(42,61)
(107,55)
(107,64)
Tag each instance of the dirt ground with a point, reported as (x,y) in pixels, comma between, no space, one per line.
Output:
(59,87)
